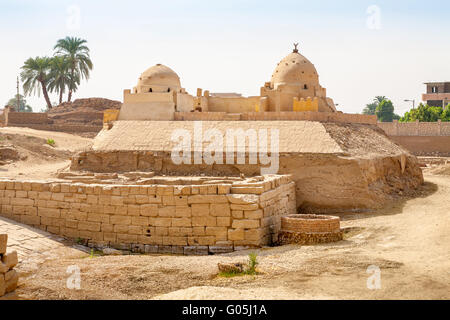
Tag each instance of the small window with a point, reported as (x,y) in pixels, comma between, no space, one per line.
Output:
(168,90)
(434,89)
(150,90)
(305,87)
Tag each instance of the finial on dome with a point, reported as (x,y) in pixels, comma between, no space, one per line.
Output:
(295,48)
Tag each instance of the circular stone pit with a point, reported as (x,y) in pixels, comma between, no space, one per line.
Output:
(309,229)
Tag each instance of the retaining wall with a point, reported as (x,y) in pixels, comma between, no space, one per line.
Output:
(154,218)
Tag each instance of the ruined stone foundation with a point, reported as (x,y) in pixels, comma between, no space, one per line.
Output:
(335,166)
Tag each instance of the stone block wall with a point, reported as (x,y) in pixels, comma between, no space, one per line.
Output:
(154,218)
(8,276)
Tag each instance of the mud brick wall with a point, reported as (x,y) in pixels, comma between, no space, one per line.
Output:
(68,128)
(417,128)
(13,118)
(154,218)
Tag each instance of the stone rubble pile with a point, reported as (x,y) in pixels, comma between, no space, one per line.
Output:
(8,276)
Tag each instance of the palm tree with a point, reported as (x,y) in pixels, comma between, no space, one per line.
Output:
(77,54)
(379,99)
(60,77)
(34,73)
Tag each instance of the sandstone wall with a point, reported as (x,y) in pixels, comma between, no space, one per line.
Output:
(154,218)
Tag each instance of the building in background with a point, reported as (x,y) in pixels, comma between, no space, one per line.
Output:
(438,94)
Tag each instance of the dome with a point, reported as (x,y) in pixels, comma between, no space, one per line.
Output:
(295,70)
(158,77)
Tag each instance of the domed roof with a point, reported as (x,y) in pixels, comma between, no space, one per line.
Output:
(159,75)
(295,69)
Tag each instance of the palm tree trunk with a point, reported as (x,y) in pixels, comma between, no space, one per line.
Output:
(69,97)
(60,96)
(44,91)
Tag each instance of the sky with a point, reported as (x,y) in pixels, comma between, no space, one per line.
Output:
(361,49)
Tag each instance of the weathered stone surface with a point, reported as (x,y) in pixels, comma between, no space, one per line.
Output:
(10,259)
(231,267)
(3,243)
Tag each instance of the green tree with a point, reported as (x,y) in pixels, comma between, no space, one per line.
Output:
(385,111)
(445,116)
(77,55)
(371,108)
(60,76)
(424,113)
(23,107)
(35,73)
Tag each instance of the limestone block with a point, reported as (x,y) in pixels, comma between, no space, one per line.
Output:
(3,243)
(198,230)
(160,222)
(121,228)
(223,189)
(243,198)
(223,221)
(126,220)
(218,249)
(254,234)
(200,210)
(207,199)
(126,238)
(175,241)
(256,214)
(183,211)
(141,199)
(21,194)
(139,221)
(155,199)
(49,212)
(204,221)
(236,234)
(2,285)
(148,248)
(196,250)
(180,231)
(220,233)
(181,222)
(220,210)
(149,210)
(168,211)
(201,241)
(133,210)
(237,214)
(249,207)
(135,230)
(10,259)
(245,224)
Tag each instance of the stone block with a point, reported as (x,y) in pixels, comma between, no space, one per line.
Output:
(236,234)
(10,259)
(220,210)
(3,243)
(200,210)
(196,250)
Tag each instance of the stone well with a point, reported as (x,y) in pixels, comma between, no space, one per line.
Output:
(309,229)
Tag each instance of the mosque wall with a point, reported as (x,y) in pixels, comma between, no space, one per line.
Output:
(233,105)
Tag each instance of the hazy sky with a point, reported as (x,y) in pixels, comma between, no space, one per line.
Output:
(360,48)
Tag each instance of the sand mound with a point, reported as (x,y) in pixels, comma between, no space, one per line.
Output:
(443,170)
(82,111)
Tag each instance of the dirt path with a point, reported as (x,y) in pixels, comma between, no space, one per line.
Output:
(409,243)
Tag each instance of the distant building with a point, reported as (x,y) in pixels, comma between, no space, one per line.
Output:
(438,94)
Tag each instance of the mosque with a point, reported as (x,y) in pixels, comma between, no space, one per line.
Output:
(294,87)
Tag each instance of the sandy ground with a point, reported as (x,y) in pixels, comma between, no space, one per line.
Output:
(409,243)
(42,161)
